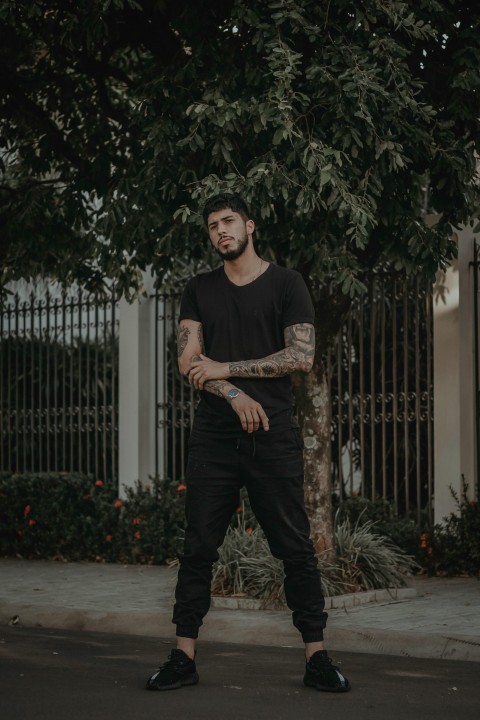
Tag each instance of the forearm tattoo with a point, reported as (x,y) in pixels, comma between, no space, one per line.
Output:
(200,338)
(216,387)
(182,339)
(298,354)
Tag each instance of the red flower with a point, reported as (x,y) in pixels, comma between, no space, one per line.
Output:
(137,535)
(136,521)
(87,496)
(239,509)
(118,503)
(430,550)
(26,510)
(181,487)
(99,483)
(248,531)
(109,538)
(32,522)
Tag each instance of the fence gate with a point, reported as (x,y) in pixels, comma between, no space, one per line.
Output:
(382,396)
(58,390)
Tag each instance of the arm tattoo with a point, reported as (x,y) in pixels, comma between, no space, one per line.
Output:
(298,354)
(216,387)
(200,338)
(182,339)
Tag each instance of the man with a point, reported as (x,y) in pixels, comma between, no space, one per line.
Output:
(243,329)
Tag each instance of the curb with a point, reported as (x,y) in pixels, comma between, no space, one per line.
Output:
(337,602)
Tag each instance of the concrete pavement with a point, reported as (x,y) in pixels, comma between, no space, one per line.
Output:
(438,618)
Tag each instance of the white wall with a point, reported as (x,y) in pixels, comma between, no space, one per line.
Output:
(454,389)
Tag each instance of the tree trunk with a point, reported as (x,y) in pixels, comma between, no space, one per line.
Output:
(315,416)
(314,413)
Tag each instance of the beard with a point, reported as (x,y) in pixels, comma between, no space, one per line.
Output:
(234,254)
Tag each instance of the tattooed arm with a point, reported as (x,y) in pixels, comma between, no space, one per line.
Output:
(190,348)
(297,354)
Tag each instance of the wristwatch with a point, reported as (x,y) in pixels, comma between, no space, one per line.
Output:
(233,393)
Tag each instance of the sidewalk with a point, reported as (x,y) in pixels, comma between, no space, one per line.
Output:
(441,620)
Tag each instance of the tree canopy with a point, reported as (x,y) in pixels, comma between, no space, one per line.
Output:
(341,123)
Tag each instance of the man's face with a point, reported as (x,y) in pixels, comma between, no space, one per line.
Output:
(229,233)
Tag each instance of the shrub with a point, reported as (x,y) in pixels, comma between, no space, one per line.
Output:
(74,517)
(454,546)
(405,532)
(366,560)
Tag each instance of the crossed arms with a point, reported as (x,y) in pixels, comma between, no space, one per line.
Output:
(206,374)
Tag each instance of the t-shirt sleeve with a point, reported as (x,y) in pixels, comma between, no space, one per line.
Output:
(188,305)
(298,306)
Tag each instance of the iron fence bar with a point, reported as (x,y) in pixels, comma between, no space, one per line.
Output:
(156,383)
(362,394)
(395,395)
(3,433)
(383,388)
(55,386)
(32,384)
(64,378)
(165,386)
(79,308)
(406,398)
(174,396)
(17,400)
(104,404)
(9,386)
(429,394)
(39,395)
(47,399)
(71,409)
(95,416)
(372,389)
(339,411)
(114,375)
(417,402)
(88,381)
(350,404)
(476,337)
(24,387)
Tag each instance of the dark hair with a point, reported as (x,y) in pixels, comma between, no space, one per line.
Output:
(225,200)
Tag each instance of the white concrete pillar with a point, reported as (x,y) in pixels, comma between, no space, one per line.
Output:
(468,455)
(454,386)
(136,430)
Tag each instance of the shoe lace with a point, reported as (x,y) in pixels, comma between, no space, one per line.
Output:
(172,662)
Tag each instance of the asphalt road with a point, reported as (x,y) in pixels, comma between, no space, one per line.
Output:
(67,675)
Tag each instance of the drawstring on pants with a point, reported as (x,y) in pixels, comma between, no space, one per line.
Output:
(254,448)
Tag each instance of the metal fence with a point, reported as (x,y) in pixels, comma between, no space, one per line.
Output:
(381,388)
(381,379)
(58,391)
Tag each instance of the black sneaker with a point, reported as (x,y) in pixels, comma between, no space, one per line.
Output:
(179,670)
(322,675)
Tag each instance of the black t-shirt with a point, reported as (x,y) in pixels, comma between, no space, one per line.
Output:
(245,323)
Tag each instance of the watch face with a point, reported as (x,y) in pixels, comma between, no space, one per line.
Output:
(233,393)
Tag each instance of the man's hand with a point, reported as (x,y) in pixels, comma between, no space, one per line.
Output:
(203,370)
(250,412)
